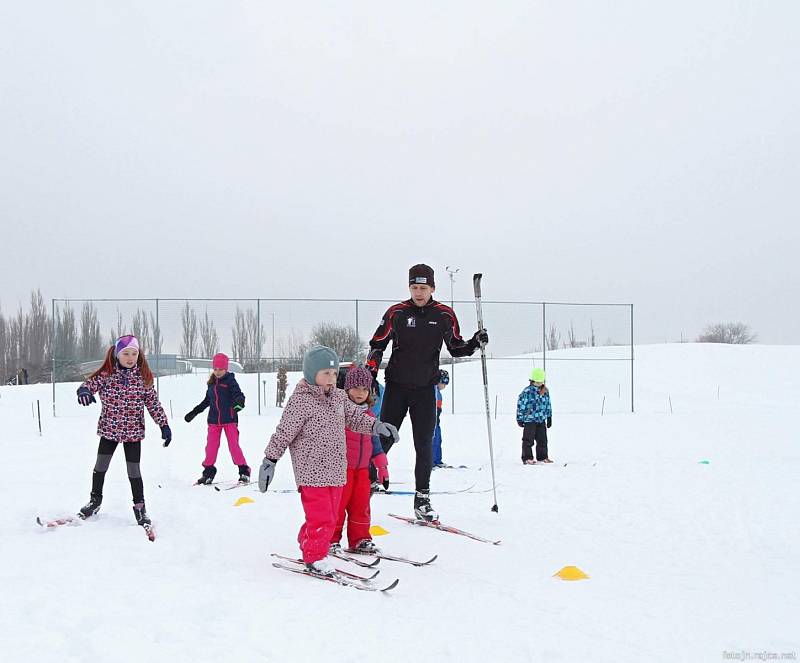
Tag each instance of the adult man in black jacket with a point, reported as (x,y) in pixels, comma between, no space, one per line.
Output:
(417,328)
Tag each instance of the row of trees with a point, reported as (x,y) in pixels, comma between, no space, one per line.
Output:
(32,340)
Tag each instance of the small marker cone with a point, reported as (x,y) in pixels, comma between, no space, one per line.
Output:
(571,573)
(377,530)
(243,500)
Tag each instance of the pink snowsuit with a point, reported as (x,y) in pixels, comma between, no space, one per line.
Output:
(312,428)
(361,448)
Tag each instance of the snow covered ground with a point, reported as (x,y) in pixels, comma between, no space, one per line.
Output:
(687,560)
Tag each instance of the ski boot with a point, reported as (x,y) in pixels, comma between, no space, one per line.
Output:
(244,474)
(366,547)
(141,515)
(208,476)
(335,549)
(422,507)
(92,507)
(376,487)
(530,461)
(322,567)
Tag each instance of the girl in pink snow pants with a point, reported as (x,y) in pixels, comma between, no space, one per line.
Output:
(225,400)
(312,428)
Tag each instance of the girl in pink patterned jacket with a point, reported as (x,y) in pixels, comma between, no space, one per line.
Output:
(312,428)
(125,385)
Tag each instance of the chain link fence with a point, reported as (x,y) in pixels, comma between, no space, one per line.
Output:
(179,337)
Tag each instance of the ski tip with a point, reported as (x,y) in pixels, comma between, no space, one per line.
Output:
(432,559)
(217,489)
(39,521)
(392,586)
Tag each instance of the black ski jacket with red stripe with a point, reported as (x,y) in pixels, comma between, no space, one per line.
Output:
(417,334)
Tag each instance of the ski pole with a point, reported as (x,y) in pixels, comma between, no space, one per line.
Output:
(476,284)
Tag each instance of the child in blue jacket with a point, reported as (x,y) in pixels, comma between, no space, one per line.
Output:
(535,416)
(225,399)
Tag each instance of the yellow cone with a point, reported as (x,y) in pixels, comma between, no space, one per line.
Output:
(571,573)
(377,530)
(244,500)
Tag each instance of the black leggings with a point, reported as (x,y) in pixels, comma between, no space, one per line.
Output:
(420,404)
(133,454)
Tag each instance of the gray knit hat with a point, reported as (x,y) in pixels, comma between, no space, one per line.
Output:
(318,359)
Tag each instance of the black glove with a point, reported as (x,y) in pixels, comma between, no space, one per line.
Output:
(549,421)
(166,435)
(238,406)
(189,416)
(85,397)
(521,424)
(480,337)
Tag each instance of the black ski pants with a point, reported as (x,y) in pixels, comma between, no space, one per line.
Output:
(534,433)
(133,455)
(420,404)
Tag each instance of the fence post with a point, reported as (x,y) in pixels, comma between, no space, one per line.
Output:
(258,345)
(544,336)
(160,351)
(53,350)
(632,410)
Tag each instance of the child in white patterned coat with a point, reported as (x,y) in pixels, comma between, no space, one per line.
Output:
(312,427)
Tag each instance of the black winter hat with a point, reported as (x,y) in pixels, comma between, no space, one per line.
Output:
(421,274)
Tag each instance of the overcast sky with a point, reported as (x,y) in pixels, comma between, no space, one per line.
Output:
(642,152)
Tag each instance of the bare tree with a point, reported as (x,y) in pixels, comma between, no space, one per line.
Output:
(66,347)
(39,332)
(141,330)
(158,340)
(727,332)
(572,340)
(209,339)
(91,344)
(117,331)
(290,349)
(255,339)
(342,338)
(592,339)
(189,325)
(553,338)
(4,349)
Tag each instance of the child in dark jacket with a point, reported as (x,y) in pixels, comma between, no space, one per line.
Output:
(225,400)
(361,449)
(535,416)
(125,385)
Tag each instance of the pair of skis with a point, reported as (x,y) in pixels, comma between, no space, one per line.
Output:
(340,577)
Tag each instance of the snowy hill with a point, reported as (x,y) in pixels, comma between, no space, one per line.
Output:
(686,560)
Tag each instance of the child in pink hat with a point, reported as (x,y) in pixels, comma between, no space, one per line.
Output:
(361,449)
(225,400)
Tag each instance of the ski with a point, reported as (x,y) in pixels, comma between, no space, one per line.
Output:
(444,528)
(57,522)
(394,558)
(433,492)
(216,483)
(238,484)
(341,572)
(347,558)
(339,580)
(150,531)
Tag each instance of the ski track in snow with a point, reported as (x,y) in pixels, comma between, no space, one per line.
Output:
(685,560)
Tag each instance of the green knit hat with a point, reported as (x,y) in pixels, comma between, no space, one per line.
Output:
(537,375)
(317,359)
